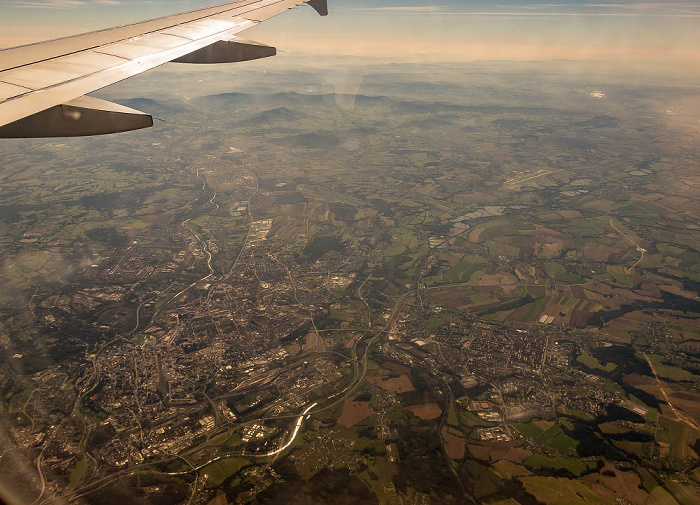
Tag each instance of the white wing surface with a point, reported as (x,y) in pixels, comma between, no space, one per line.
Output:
(42,85)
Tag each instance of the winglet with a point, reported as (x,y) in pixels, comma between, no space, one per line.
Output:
(320,6)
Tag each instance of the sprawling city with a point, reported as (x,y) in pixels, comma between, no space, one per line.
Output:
(452,284)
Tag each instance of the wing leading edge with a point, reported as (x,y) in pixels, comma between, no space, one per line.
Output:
(42,85)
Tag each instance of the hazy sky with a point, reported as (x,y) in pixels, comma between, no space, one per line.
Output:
(634,31)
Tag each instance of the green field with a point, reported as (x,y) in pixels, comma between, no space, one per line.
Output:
(555,438)
(529,430)
(591,362)
(216,473)
(78,473)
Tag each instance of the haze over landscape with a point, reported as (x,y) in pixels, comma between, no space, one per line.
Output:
(641,32)
(431,253)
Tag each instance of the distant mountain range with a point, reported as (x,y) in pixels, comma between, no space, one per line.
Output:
(279,112)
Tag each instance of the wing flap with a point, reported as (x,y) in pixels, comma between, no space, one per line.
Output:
(150,44)
(263,13)
(195,30)
(8,90)
(52,72)
(89,61)
(39,76)
(49,73)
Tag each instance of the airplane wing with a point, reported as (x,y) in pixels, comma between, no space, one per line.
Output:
(42,86)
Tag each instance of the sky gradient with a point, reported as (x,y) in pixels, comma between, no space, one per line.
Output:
(631,32)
